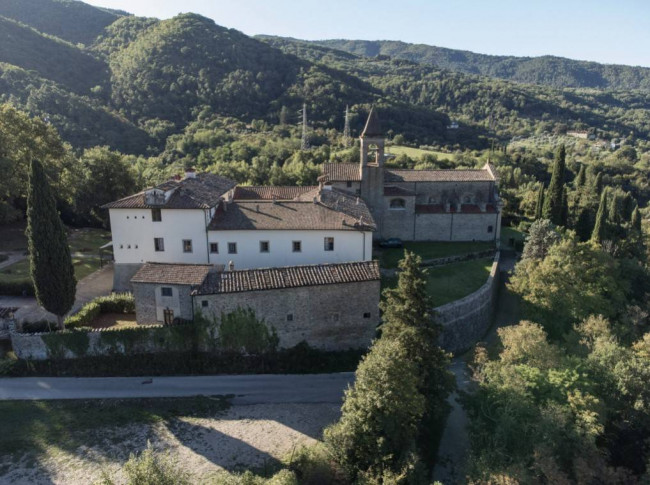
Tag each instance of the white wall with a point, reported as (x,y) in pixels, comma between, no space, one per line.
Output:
(348,246)
(134,227)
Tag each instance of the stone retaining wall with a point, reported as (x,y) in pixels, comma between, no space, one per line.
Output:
(465,321)
(72,344)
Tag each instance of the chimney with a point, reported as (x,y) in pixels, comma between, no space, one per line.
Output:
(357,200)
(257,208)
(177,177)
(231,266)
(275,199)
(190,173)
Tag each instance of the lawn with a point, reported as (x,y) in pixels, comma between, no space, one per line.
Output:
(508,233)
(69,424)
(84,240)
(388,258)
(453,281)
(416,153)
(20,271)
(114,321)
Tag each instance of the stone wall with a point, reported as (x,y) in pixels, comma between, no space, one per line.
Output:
(73,344)
(122,274)
(466,321)
(328,317)
(149,302)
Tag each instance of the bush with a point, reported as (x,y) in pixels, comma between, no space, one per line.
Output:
(150,469)
(17,288)
(115,303)
(242,331)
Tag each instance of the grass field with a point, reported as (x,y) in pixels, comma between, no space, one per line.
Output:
(508,233)
(453,281)
(20,270)
(416,153)
(68,424)
(84,240)
(388,258)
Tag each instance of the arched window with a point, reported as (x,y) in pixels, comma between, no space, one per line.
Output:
(397,204)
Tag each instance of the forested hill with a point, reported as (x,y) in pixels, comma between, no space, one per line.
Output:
(546,70)
(70,20)
(103,77)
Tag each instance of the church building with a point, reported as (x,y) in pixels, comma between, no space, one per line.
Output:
(419,205)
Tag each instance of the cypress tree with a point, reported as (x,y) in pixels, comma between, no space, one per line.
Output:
(635,220)
(598,184)
(553,202)
(598,235)
(582,177)
(49,255)
(564,215)
(539,208)
(583,225)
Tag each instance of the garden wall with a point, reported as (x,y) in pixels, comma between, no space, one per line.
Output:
(465,321)
(81,343)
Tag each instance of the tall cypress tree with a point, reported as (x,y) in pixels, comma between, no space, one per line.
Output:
(564,214)
(49,255)
(598,184)
(599,233)
(553,202)
(635,220)
(539,207)
(582,177)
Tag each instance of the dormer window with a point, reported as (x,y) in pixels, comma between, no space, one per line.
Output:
(154,197)
(397,204)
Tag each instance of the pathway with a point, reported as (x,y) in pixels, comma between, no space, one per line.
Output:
(14,257)
(247,389)
(454,443)
(95,284)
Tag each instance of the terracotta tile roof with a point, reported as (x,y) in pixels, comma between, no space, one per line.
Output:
(335,211)
(268,193)
(438,176)
(7,312)
(289,277)
(342,172)
(201,192)
(465,209)
(392,191)
(172,274)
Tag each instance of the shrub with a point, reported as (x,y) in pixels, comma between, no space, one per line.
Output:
(150,469)
(242,331)
(39,326)
(115,303)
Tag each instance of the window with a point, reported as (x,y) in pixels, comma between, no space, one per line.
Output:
(490,228)
(297,246)
(349,184)
(329,244)
(159,243)
(232,248)
(166,291)
(204,303)
(187,245)
(214,248)
(397,204)
(289,317)
(156,215)
(264,247)
(366,315)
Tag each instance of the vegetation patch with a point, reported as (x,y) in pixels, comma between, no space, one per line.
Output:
(389,258)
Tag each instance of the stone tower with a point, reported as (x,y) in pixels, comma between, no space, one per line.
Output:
(372,171)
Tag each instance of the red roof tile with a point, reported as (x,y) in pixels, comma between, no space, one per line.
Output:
(172,274)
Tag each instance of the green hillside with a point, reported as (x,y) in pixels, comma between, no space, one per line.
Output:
(51,58)
(71,20)
(545,70)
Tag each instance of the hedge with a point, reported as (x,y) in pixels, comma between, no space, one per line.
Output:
(115,303)
(17,288)
(300,359)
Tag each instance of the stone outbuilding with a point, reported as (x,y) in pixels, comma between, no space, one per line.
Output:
(330,306)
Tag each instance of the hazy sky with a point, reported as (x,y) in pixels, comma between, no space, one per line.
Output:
(598,30)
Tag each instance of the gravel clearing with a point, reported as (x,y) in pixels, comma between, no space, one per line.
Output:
(252,436)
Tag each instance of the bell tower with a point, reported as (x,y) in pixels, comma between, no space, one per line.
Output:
(372,169)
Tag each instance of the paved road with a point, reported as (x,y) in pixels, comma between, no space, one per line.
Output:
(247,389)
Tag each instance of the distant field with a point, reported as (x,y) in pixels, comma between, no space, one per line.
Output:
(20,271)
(418,152)
(84,240)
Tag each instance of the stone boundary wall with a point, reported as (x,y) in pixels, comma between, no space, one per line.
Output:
(73,344)
(465,321)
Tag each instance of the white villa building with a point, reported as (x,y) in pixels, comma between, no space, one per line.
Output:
(206,219)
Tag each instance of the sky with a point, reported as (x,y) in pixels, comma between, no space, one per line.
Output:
(608,31)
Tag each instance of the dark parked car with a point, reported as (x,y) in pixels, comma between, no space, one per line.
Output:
(393,242)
